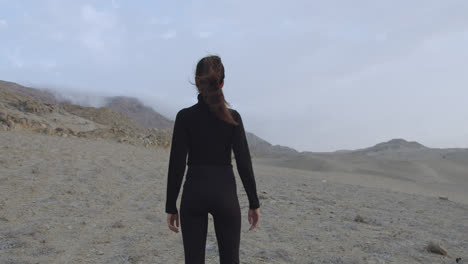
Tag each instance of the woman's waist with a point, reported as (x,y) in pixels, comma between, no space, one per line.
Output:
(209,165)
(210,169)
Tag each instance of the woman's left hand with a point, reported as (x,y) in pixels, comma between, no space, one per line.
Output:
(171,218)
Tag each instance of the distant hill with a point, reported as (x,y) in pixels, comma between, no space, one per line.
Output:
(394,145)
(134,116)
(105,116)
(129,106)
(45,96)
(141,113)
(401,149)
(261,147)
(21,112)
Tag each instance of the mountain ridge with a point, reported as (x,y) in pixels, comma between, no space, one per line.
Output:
(146,117)
(136,116)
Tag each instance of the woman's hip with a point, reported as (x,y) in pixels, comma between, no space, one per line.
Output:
(210,175)
(206,183)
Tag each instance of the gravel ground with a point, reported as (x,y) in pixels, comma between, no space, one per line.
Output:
(72,200)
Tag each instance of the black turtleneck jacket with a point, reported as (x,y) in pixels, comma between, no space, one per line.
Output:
(208,141)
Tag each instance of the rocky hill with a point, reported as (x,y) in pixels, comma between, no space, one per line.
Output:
(132,107)
(21,112)
(42,95)
(130,114)
(398,145)
(141,113)
(261,147)
(401,149)
(105,116)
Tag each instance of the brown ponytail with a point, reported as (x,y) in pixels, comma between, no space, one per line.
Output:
(209,76)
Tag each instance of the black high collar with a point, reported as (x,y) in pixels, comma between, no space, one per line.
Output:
(201,101)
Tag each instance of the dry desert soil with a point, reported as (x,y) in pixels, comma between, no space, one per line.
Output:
(78,200)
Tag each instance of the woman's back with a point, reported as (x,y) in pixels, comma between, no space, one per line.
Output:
(208,140)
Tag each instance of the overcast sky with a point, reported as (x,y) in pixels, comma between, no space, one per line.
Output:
(312,75)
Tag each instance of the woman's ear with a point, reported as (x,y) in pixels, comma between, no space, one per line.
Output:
(222,84)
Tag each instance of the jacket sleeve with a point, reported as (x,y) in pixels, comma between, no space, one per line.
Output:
(177,162)
(244,162)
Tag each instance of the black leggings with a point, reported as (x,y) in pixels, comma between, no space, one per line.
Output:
(210,189)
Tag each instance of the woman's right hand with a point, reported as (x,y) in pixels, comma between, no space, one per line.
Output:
(171,218)
(254,218)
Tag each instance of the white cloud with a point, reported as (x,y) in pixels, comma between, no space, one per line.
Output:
(100,29)
(3,24)
(57,36)
(205,34)
(15,60)
(287,22)
(160,21)
(170,34)
(115,4)
(381,36)
(99,19)
(92,40)
(48,65)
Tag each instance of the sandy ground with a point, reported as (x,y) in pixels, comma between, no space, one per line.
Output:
(72,200)
(429,177)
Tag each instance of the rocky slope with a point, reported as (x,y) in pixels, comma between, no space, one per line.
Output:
(142,114)
(261,147)
(20,112)
(42,95)
(134,117)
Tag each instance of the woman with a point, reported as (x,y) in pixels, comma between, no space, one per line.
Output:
(207,131)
